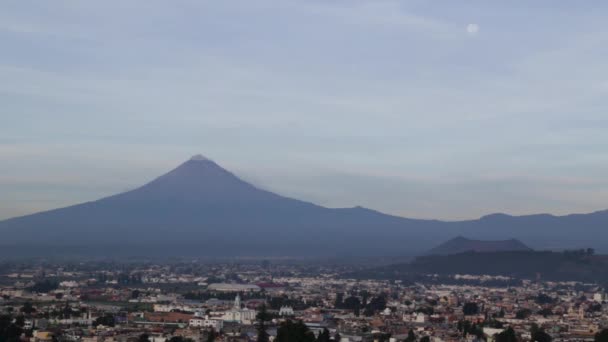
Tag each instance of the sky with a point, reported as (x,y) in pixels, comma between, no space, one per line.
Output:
(425,109)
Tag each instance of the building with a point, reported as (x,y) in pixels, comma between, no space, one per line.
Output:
(238,314)
(206,322)
(223,287)
(286,311)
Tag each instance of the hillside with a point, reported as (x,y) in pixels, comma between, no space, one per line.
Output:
(566,266)
(461,244)
(201,208)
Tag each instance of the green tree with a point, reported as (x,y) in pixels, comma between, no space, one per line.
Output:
(28,308)
(411,337)
(544,299)
(261,318)
(470,309)
(507,335)
(339,300)
(523,313)
(20,321)
(377,304)
(323,336)
(290,331)
(45,286)
(602,336)
(211,335)
(9,331)
(180,339)
(105,320)
(352,303)
(144,338)
(541,336)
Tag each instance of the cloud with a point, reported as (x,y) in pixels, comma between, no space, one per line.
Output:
(472,29)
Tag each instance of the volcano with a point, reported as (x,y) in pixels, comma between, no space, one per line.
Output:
(199,208)
(200,205)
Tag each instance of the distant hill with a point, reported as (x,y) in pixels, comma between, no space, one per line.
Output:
(202,209)
(461,244)
(562,266)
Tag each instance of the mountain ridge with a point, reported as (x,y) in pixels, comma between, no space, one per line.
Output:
(200,203)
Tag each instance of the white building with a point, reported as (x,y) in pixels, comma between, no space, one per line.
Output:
(163,307)
(223,287)
(238,314)
(286,311)
(206,322)
(68,283)
(415,317)
(176,307)
(598,297)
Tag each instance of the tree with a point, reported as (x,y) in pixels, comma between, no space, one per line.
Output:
(466,327)
(339,300)
(261,318)
(323,336)
(105,320)
(544,299)
(601,336)
(377,303)
(507,335)
(541,336)
(20,321)
(144,338)
(13,332)
(28,308)
(9,331)
(382,337)
(411,337)
(470,309)
(135,294)
(290,331)
(67,311)
(352,303)
(523,313)
(211,334)
(179,339)
(493,323)
(45,286)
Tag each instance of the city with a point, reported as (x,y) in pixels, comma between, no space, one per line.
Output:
(212,301)
(303,171)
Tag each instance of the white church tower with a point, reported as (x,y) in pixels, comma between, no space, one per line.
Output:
(237,302)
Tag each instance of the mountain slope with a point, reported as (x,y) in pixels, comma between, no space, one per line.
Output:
(461,244)
(199,203)
(199,208)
